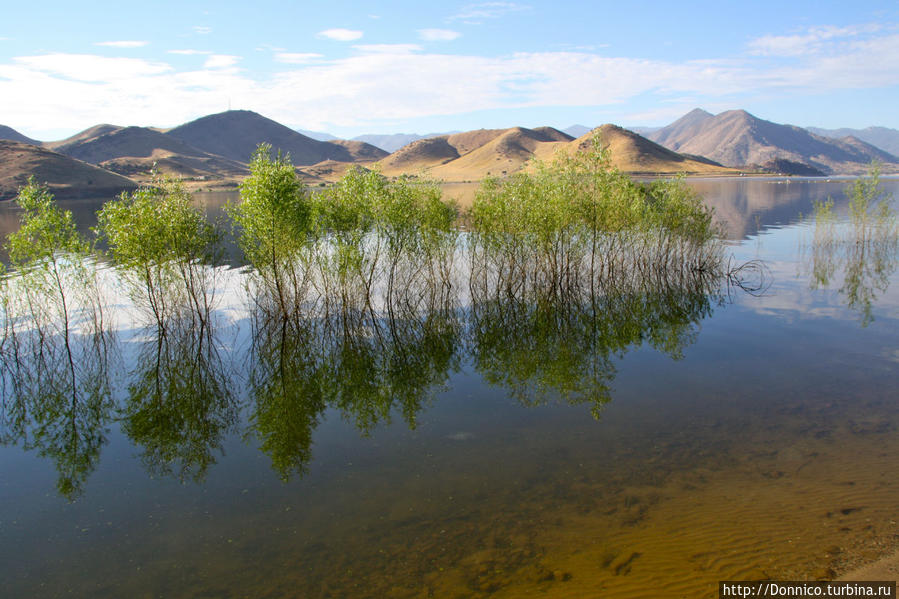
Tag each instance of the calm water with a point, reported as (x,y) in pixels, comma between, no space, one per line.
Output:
(694,435)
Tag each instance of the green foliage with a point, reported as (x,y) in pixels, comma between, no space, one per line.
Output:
(868,249)
(45,232)
(274,219)
(180,405)
(162,245)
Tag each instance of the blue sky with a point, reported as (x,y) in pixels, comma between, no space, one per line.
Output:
(376,67)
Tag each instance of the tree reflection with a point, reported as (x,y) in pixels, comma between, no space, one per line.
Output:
(57,396)
(355,350)
(180,403)
(541,340)
(866,249)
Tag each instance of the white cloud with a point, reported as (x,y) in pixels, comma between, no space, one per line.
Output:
(438,35)
(340,35)
(296,57)
(189,52)
(813,40)
(487,10)
(90,67)
(123,44)
(388,48)
(400,82)
(220,61)
(202,29)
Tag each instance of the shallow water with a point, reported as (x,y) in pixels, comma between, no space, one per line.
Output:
(742,437)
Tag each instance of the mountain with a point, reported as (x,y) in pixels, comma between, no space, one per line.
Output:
(394,141)
(134,150)
(236,134)
(684,128)
(456,152)
(738,139)
(317,135)
(644,131)
(13,135)
(66,177)
(880,137)
(633,153)
(498,151)
(576,130)
(472,155)
(88,134)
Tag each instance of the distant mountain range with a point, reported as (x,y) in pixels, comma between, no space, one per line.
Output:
(738,139)
(236,134)
(881,137)
(498,152)
(215,150)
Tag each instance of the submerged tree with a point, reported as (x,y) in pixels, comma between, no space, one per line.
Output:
(274,219)
(164,249)
(55,344)
(868,250)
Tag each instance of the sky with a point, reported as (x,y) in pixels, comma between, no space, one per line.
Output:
(349,68)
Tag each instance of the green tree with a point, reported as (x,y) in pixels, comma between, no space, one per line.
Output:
(274,219)
(164,248)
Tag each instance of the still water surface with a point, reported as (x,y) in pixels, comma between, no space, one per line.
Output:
(723,435)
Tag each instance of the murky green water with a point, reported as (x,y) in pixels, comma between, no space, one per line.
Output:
(648,442)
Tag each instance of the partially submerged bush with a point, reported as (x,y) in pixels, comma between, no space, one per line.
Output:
(163,247)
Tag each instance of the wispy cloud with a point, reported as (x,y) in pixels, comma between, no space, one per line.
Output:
(399,82)
(296,57)
(90,67)
(813,40)
(202,29)
(340,35)
(123,44)
(438,35)
(487,10)
(220,61)
(388,48)
(189,52)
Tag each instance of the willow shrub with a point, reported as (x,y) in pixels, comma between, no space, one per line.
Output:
(579,209)
(274,219)
(54,276)
(367,225)
(164,248)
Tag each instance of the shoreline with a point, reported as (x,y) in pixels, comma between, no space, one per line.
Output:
(885,568)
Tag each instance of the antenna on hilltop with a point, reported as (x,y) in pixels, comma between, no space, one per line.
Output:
(229,104)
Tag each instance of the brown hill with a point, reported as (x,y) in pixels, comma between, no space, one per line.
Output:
(13,135)
(473,154)
(236,134)
(132,151)
(419,155)
(87,134)
(504,154)
(359,151)
(66,177)
(737,138)
(635,154)
(686,127)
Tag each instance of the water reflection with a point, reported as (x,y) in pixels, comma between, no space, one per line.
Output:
(371,343)
(57,397)
(180,405)
(865,250)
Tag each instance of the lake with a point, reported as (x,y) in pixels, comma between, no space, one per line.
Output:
(665,436)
